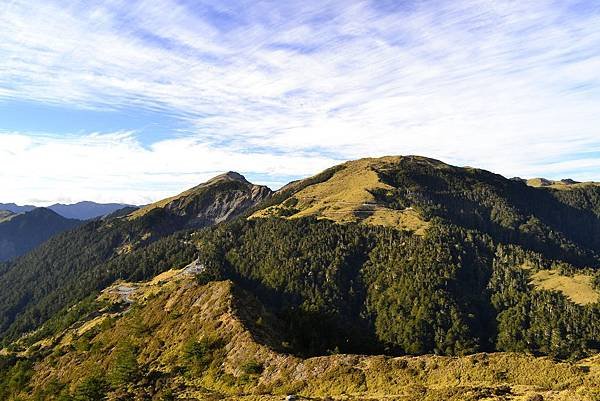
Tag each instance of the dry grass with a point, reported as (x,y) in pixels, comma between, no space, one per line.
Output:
(577,288)
(560,185)
(173,308)
(346,197)
(164,320)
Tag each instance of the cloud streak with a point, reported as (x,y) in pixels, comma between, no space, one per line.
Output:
(508,86)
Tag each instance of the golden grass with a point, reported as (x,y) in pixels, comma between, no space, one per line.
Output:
(346,197)
(577,288)
(560,185)
(184,310)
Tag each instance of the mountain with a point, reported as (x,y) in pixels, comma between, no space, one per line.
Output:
(22,232)
(563,184)
(71,265)
(12,207)
(219,199)
(86,210)
(6,215)
(401,276)
(174,338)
(81,211)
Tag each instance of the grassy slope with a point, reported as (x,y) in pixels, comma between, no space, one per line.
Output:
(579,287)
(347,197)
(172,309)
(560,185)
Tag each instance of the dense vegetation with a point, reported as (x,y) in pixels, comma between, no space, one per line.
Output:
(72,265)
(354,288)
(23,232)
(560,224)
(458,289)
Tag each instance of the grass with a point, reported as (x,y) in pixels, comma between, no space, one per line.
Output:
(346,197)
(560,185)
(241,368)
(578,288)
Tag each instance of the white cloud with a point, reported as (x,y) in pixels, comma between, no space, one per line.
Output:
(508,86)
(108,167)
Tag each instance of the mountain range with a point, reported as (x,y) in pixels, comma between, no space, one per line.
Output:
(81,210)
(392,278)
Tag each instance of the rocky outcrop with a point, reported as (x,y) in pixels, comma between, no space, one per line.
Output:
(220,199)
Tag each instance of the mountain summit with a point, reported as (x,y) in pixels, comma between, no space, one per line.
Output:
(218,199)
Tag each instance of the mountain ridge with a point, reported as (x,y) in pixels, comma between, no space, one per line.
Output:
(497,271)
(21,232)
(83,210)
(212,341)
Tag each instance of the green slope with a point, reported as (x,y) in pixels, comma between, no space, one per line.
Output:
(175,338)
(72,265)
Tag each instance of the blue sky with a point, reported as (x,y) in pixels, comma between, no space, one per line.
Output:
(127,100)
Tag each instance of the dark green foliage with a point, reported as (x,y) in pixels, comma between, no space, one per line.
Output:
(538,321)
(417,292)
(366,289)
(560,224)
(72,265)
(93,388)
(124,368)
(65,318)
(252,368)
(199,354)
(25,231)
(14,376)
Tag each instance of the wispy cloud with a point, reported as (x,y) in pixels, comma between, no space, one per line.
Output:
(45,169)
(509,86)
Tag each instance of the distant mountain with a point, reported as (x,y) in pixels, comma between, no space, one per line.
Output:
(86,210)
(22,232)
(12,207)
(81,210)
(563,184)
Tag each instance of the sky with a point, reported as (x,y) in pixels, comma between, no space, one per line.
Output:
(136,100)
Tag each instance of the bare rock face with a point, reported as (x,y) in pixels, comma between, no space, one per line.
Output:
(222,198)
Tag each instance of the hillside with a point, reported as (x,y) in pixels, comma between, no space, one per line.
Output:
(564,184)
(6,215)
(346,193)
(74,264)
(219,199)
(19,233)
(409,192)
(406,257)
(174,338)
